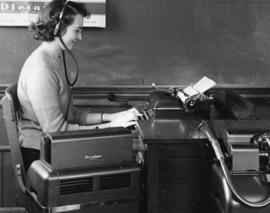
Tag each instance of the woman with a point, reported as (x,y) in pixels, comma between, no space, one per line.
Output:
(43,86)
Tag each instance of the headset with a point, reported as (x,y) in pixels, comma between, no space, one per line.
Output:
(57,33)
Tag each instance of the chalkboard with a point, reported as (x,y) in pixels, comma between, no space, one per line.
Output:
(168,42)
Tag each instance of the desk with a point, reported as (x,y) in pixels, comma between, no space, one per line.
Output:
(178,165)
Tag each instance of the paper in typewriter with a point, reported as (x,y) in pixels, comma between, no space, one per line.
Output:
(200,87)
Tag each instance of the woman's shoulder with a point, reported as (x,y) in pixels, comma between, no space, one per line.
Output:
(38,67)
(38,57)
(38,63)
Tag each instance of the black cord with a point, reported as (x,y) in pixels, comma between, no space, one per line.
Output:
(71,84)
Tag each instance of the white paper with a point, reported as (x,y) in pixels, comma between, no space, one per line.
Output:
(204,84)
(200,87)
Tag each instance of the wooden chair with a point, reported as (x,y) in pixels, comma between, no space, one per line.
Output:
(11,114)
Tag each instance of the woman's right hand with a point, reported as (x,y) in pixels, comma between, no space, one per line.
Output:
(119,119)
(124,116)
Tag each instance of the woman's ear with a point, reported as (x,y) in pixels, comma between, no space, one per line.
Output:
(59,29)
(62,29)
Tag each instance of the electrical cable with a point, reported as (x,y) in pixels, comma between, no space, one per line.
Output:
(204,127)
(71,84)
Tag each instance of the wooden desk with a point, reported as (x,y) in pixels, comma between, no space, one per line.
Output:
(178,166)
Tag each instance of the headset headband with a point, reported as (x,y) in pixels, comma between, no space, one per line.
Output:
(57,26)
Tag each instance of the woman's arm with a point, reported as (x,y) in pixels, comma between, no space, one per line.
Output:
(114,119)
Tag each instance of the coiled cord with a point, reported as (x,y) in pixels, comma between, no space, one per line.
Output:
(71,84)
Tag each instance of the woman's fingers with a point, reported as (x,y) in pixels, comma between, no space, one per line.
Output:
(135,111)
(126,116)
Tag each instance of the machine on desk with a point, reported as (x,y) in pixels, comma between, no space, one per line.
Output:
(83,171)
(241,176)
(187,103)
(166,105)
(97,148)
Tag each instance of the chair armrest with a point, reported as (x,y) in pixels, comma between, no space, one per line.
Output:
(20,177)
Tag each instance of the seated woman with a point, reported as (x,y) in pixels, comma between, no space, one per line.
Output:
(44,90)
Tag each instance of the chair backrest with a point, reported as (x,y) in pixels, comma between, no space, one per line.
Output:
(11,113)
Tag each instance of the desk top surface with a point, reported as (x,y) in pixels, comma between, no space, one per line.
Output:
(183,130)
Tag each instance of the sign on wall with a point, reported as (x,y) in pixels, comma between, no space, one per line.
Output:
(23,12)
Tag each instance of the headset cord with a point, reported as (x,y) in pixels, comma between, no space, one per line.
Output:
(71,84)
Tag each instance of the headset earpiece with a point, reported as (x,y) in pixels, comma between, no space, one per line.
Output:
(57,29)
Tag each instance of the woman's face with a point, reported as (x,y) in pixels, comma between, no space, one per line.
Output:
(73,32)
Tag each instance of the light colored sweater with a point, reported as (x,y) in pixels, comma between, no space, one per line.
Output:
(45,99)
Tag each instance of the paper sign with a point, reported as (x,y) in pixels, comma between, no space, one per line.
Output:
(23,12)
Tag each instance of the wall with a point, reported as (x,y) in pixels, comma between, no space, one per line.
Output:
(166,42)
